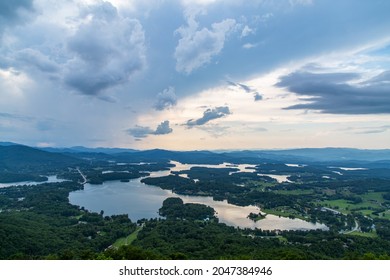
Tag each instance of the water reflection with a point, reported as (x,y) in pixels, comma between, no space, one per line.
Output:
(51,179)
(143,201)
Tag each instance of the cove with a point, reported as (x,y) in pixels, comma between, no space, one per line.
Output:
(139,201)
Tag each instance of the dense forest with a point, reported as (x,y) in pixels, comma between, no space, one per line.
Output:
(38,221)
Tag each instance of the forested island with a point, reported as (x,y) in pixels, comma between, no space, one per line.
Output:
(350,196)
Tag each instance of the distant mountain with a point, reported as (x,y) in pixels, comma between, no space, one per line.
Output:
(342,154)
(165,155)
(16,157)
(8,144)
(81,149)
(304,155)
(317,154)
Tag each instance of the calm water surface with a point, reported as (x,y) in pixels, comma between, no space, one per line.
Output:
(139,201)
(51,179)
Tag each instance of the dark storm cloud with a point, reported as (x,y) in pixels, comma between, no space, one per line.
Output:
(107,51)
(144,131)
(210,114)
(333,93)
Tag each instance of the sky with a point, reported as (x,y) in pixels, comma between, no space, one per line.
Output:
(195,75)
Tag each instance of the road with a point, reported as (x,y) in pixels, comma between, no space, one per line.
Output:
(352,230)
(82,175)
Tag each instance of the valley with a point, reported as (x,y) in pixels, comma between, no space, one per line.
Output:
(261,207)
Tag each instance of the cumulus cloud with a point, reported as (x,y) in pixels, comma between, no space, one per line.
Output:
(140,132)
(163,128)
(107,50)
(197,47)
(104,49)
(166,99)
(335,93)
(209,115)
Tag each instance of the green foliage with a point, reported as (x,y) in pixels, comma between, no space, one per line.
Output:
(174,208)
(16,158)
(45,225)
(128,252)
(10,177)
(38,222)
(210,240)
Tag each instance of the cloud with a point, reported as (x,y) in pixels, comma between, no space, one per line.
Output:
(248,46)
(34,58)
(166,99)
(163,128)
(244,87)
(372,130)
(140,131)
(381,79)
(144,131)
(197,47)
(14,11)
(247,89)
(106,50)
(256,95)
(209,115)
(335,93)
(246,31)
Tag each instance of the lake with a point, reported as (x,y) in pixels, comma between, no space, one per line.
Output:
(51,179)
(139,200)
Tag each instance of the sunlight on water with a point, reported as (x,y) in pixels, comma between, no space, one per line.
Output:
(139,201)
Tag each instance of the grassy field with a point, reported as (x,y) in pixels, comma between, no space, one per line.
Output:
(284,212)
(341,205)
(371,203)
(128,239)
